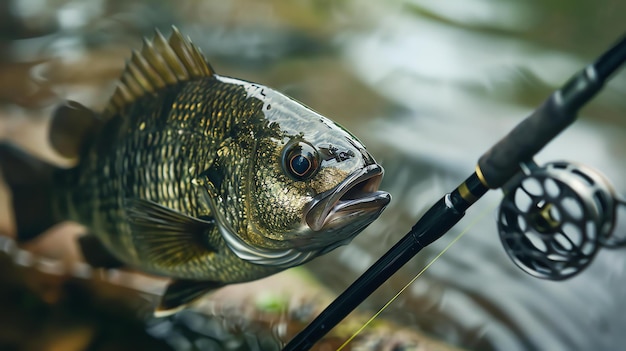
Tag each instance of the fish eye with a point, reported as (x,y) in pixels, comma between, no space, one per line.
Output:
(300,160)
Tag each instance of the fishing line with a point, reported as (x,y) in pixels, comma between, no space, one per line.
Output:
(465,230)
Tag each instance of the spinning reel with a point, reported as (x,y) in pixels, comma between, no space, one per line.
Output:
(553,219)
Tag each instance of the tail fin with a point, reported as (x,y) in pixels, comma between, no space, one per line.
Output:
(31,183)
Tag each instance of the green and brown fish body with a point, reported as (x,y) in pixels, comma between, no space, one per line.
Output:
(211,180)
(153,155)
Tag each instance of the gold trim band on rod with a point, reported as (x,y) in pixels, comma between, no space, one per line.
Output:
(481,177)
(466,194)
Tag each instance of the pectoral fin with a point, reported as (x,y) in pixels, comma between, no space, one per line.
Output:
(182,292)
(165,236)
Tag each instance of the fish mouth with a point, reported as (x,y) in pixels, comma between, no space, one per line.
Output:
(354,203)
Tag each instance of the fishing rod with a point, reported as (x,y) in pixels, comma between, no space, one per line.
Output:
(552,219)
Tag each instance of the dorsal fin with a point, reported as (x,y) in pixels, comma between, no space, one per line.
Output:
(160,63)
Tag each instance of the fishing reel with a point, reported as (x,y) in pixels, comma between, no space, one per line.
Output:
(553,219)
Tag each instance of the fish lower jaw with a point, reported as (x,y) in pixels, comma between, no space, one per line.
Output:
(356,212)
(346,220)
(359,192)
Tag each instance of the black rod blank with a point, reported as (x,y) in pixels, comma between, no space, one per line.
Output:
(442,216)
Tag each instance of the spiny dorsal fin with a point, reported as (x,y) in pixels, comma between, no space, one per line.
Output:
(160,63)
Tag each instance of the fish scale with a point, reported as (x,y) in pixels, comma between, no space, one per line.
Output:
(159,175)
(200,178)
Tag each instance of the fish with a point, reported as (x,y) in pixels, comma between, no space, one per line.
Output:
(205,179)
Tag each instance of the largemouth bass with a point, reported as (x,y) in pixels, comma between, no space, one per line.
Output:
(206,179)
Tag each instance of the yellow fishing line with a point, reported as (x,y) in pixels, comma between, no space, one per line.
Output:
(469,226)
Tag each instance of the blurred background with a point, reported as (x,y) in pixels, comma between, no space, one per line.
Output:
(428,86)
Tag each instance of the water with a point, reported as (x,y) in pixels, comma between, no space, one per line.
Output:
(428,86)
(461,79)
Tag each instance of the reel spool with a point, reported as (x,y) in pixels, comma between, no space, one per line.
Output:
(553,219)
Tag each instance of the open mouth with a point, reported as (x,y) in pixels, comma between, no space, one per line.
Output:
(356,200)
